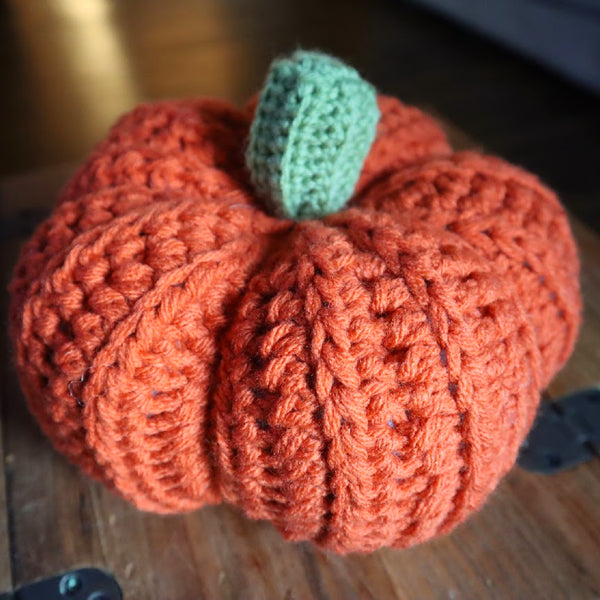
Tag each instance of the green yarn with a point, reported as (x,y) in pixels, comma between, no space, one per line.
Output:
(314,124)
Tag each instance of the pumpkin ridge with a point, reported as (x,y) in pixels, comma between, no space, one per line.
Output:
(525,409)
(157,297)
(477,201)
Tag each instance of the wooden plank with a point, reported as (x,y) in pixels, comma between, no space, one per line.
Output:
(537,537)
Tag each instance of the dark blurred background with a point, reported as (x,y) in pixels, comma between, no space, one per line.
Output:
(70,67)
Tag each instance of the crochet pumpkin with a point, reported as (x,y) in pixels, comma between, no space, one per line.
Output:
(190,330)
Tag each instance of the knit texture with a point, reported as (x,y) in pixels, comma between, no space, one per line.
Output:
(314,125)
(362,380)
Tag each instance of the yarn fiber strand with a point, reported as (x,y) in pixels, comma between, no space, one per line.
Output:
(362,379)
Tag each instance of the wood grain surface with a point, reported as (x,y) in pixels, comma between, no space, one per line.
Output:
(537,537)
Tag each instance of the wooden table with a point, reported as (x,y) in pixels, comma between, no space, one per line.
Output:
(537,537)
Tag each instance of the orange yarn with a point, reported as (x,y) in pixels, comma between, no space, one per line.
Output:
(361,381)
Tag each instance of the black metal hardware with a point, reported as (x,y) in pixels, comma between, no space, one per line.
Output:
(79,584)
(566,432)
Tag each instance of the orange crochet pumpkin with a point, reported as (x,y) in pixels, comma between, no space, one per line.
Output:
(361,380)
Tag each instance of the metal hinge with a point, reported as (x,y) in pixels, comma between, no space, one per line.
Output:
(79,584)
(565,433)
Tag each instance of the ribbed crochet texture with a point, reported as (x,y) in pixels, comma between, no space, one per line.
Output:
(314,124)
(361,381)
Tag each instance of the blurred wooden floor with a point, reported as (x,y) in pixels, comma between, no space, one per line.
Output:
(70,67)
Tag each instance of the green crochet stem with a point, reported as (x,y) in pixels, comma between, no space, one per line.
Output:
(314,124)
